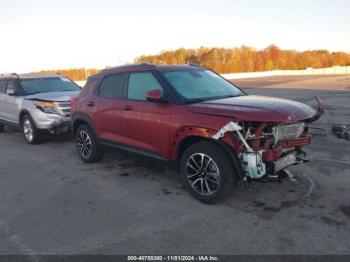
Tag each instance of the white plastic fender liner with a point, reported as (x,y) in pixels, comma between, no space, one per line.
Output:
(251,160)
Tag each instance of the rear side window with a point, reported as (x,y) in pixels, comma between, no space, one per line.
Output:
(112,86)
(3,86)
(140,84)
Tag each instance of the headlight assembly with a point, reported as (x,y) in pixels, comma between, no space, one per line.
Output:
(46,107)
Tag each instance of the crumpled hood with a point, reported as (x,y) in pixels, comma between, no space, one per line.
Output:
(64,96)
(255,108)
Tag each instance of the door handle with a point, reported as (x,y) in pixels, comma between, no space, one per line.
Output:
(127,108)
(91,104)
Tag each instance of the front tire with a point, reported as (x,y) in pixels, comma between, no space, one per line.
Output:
(208,172)
(87,145)
(30,132)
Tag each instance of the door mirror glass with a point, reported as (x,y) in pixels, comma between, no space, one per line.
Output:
(10,92)
(154,95)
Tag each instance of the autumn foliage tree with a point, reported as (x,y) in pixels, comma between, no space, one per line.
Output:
(233,60)
(247,59)
(76,74)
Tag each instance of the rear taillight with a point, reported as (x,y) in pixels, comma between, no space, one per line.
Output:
(73,100)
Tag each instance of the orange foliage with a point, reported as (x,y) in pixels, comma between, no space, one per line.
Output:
(232,60)
(247,59)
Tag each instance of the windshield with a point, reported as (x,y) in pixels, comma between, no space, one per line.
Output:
(43,85)
(200,85)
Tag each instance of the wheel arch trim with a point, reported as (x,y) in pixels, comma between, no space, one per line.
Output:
(79,117)
(227,143)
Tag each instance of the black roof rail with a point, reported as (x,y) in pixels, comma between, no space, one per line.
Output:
(195,65)
(146,63)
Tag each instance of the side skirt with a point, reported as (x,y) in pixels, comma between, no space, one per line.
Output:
(135,150)
(10,124)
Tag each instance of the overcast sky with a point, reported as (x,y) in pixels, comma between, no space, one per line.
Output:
(43,34)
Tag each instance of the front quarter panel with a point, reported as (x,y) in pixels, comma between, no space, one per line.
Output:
(186,123)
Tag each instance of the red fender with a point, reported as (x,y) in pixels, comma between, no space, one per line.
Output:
(200,132)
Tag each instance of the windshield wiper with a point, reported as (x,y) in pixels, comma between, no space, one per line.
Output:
(196,100)
(29,94)
(230,96)
(209,98)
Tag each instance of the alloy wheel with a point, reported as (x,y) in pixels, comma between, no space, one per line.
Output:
(84,144)
(28,130)
(203,174)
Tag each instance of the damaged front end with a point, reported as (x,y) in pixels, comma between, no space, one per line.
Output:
(264,149)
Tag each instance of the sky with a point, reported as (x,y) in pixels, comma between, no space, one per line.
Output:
(51,34)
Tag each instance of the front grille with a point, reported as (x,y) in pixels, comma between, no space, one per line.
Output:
(288,131)
(64,108)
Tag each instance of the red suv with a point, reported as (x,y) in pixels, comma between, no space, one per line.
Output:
(215,131)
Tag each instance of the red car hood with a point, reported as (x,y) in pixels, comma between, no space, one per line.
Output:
(255,108)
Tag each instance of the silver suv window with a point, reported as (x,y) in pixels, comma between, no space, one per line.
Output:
(44,85)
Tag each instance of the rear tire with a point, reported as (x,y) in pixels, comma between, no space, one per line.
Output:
(208,171)
(87,145)
(30,132)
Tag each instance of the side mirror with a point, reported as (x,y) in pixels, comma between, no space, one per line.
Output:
(10,92)
(155,95)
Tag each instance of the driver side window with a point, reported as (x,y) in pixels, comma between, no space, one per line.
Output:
(140,84)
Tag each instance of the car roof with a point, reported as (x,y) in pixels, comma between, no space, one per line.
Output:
(29,75)
(145,67)
(38,75)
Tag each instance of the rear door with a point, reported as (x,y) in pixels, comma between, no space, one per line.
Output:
(146,124)
(107,107)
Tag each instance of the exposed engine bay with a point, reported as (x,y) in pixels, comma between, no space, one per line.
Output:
(264,149)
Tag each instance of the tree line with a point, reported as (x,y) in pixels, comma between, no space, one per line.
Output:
(75,74)
(233,60)
(248,59)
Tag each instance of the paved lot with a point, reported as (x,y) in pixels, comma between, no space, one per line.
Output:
(313,82)
(52,203)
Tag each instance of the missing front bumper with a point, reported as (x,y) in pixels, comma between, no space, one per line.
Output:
(260,163)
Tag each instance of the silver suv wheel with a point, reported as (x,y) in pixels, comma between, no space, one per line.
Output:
(28,130)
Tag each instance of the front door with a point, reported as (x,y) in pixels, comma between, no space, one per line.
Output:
(9,104)
(3,84)
(146,124)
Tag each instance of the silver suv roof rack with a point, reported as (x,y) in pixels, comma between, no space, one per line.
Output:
(9,75)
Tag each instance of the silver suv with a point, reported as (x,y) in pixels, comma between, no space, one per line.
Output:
(36,103)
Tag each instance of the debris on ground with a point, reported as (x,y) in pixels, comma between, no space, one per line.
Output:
(342,131)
